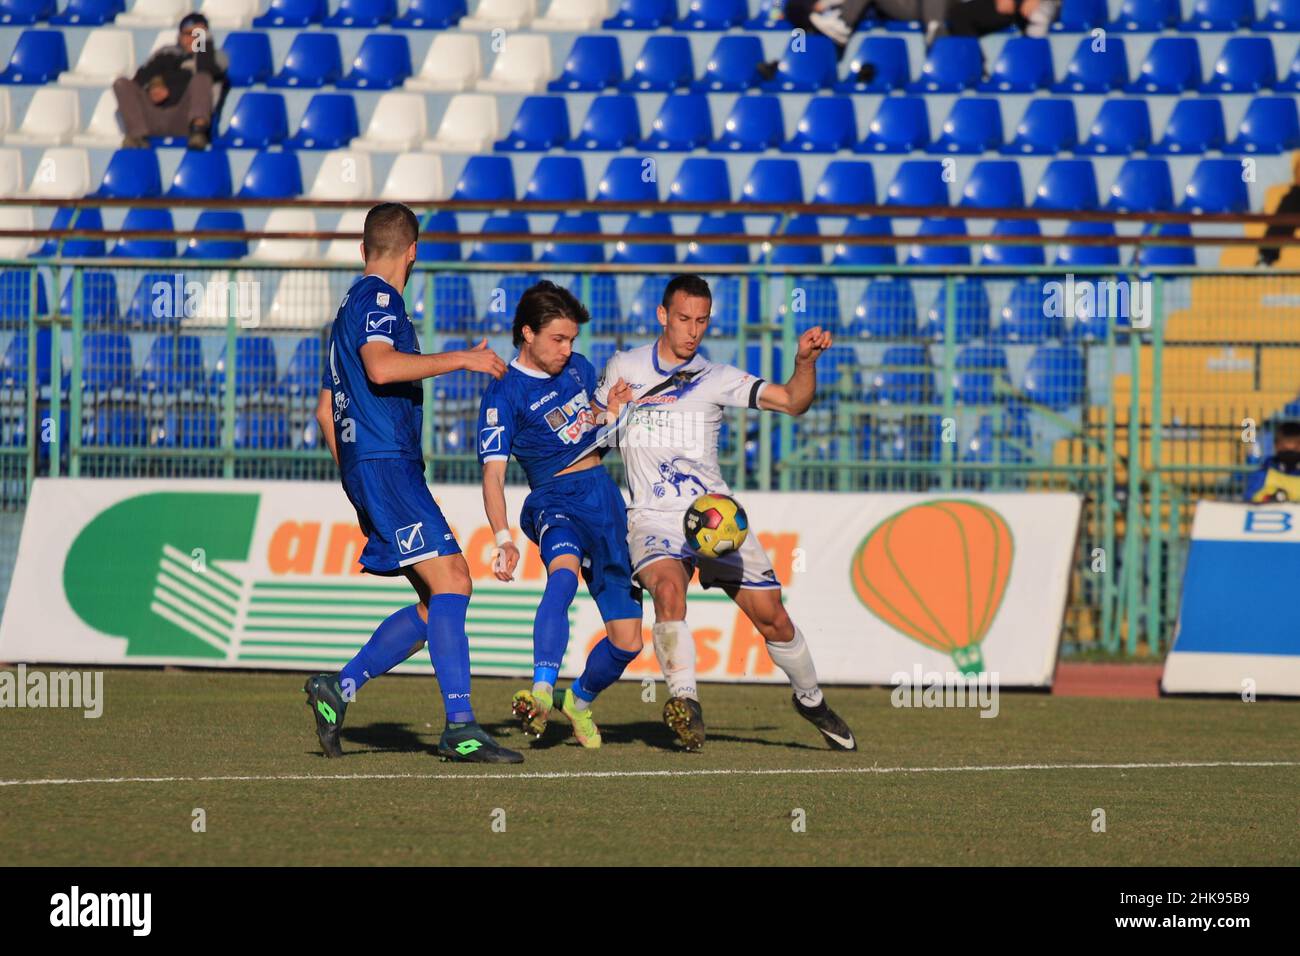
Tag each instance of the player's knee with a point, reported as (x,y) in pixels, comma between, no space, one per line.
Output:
(775,625)
(670,602)
(457,579)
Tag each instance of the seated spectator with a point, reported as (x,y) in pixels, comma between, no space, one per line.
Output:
(177,92)
(1278,478)
(1289,204)
(975,18)
(837,19)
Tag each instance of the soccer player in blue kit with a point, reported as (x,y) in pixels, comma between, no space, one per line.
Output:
(543,412)
(369,410)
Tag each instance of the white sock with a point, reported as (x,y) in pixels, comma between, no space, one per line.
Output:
(675,649)
(794,658)
(541,687)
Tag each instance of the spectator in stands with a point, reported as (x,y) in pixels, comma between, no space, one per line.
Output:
(975,18)
(1278,478)
(1289,204)
(178,91)
(837,19)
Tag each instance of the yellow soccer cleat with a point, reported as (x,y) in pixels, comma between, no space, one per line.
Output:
(532,710)
(584,727)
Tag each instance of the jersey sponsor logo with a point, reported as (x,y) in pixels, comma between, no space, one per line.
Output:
(409,538)
(381,299)
(573,419)
(383,324)
(492,416)
(657,400)
(489,439)
(542,401)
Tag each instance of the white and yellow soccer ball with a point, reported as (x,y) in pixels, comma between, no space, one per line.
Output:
(715,525)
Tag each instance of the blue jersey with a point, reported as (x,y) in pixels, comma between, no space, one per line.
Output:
(547,421)
(372,421)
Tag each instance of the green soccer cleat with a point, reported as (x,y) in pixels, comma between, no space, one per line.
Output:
(686,719)
(470,743)
(532,710)
(325,698)
(584,727)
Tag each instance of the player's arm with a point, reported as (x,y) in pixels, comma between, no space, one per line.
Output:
(796,396)
(385,365)
(325,419)
(505,556)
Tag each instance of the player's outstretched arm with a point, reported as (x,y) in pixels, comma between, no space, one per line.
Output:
(796,396)
(385,365)
(505,556)
(325,419)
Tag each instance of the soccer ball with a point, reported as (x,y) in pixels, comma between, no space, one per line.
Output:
(715,525)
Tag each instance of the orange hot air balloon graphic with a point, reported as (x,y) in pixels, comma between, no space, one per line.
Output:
(936,572)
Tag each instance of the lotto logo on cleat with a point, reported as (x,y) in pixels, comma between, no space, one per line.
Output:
(467,747)
(326,711)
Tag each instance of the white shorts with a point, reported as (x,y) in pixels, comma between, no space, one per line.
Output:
(656,535)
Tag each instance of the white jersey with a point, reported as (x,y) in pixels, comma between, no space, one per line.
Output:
(669,443)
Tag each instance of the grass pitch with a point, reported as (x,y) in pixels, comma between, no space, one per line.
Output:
(389,801)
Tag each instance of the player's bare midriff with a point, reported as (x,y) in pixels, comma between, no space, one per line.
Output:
(582,464)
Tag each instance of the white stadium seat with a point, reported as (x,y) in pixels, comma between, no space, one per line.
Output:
(500,14)
(522,66)
(107,55)
(62,172)
(343,174)
(11,172)
(347,250)
(573,16)
(302,300)
(103,129)
(161,39)
(229,14)
(453,63)
(416,177)
(398,124)
(470,125)
(17,217)
(6,111)
(154,13)
(53,117)
(287,250)
(221,292)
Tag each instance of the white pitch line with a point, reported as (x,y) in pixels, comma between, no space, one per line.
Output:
(596,774)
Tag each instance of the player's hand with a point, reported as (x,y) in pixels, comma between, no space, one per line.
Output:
(619,395)
(812,344)
(482,359)
(504,561)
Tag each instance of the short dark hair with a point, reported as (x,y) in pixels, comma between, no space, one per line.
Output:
(543,303)
(192,20)
(390,228)
(1287,429)
(689,283)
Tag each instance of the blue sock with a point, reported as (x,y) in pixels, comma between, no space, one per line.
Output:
(551,626)
(605,664)
(388,646)
(449,651)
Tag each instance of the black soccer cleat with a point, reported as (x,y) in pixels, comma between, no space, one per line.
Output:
(685,717)
(325,698)
(470,743)
(832,726)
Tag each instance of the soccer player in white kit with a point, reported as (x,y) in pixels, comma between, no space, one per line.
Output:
(668,439)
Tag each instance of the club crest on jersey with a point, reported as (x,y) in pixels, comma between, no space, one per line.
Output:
(573,419)
(492,416)
(382,324)
(381,299)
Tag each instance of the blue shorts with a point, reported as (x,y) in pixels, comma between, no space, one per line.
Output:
(585,513)
(397,514)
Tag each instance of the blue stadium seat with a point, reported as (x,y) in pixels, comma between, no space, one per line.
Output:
(188,427)
(642,15)
(262,429)
(329,122)
(557,179)
(485,250)
(1166,255)
(13,366)
(798,255)
(362,13)
(713,15)
(272,176)
(542,123)
(601,298)
(140,220)
(641,316)
(131,174)
(25,12)
(839,367)
(901,125)
(1095,71)
(87,13)
(1216,186)
(1055,377)
(497,318)
(601,352)
(250,57)
(302,375)
(440,220)
(905,376)
(314,60)
(973,126)
(806,68)
(710,254)
(291,13)
(1214,16)
(725,321)
(773,180)
(430,15)
(105,360)
(732,67)
(98,298)
(918,182)
(38,57)
(888,58)
(874,255)
(174,365)
(753,126)
(1244,65)
(846,182)
(574,253)
(594,63)
(1146,16)
(1172,65)
(887,310)
(933,255)
(1092,320)
(453,302)
(1023,320)
(201,175)
(624,180)
(1005,254)
(1291,82)
(663,65)
(382,62)
(953,64)
(1194,126)
(701,180)
(978,371)
(611,123)
(828,125)
(1067,184)
(259,120)
(812,301)
(112,425)
(1080,16)
(994,184)
(486,178)
(634,253)
(16,297)
(1122,127)
(1048,127)
(970,313)
(65,219)
(1270,125)
(216,220)
(1142,185)
(1024,64)
(1070,255)
(683,124)
(255,367)
(1279,16)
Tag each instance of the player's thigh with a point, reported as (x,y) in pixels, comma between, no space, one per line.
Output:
(445,574)
(561,549)
(764,608)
